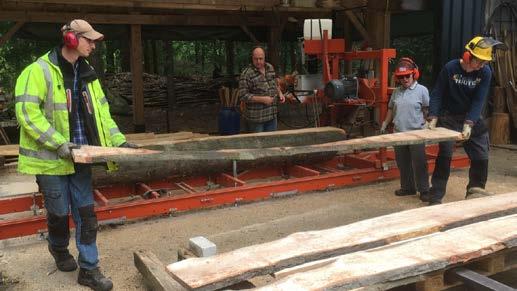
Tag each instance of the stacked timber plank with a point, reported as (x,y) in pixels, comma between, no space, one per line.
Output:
(377,253)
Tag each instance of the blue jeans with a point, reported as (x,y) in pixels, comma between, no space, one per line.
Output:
(253,127)
(71,192)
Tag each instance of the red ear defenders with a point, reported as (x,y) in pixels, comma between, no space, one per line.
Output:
(467,56)
(70,38)
(416,72)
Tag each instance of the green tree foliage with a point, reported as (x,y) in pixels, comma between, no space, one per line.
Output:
(16,54)
(420,49)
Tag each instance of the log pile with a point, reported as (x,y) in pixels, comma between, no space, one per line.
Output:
(187,91)
(412,246)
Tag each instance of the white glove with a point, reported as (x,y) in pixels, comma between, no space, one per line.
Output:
(64,151)
(431,124)
(467,130)
(384,126)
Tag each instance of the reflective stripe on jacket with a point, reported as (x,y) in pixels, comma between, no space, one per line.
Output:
(42,112)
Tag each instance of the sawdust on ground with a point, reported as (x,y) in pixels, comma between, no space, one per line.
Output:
(27,261)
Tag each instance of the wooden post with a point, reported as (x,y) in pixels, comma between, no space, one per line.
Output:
(348,43)
(125,56)
(110,61)
(171,102)
(149,57)
(95,59)
(169,57)
(137,78)
(273,46)
(378,24)
(292,56)
(157,57)
(230,57)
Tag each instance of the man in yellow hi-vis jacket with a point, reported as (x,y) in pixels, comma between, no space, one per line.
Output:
(60,105)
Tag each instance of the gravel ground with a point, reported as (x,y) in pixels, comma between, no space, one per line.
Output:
(27,261)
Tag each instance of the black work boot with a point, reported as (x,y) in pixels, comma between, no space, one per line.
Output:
(424,196)
(94,279)
(65,262)
(402,192)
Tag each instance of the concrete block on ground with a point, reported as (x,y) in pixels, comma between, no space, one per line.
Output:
(202,247)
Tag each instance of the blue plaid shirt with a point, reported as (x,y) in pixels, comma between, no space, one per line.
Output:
(78,131)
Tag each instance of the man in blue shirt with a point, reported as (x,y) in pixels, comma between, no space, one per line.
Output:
(456,103)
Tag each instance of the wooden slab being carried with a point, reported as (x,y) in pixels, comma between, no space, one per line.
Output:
(407,259)
(202,155)
(96,154)
(347,146)
(197,158)
(228,268)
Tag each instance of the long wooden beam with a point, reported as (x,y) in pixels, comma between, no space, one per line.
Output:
(228,268)
(144,19)
(7,36)
(171,4)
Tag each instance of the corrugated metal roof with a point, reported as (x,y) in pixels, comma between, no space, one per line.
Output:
(461,20)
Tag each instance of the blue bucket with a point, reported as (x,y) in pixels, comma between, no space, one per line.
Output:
(229,121)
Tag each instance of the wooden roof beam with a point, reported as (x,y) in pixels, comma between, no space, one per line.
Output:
(173,20)
(247,5)
(358,25)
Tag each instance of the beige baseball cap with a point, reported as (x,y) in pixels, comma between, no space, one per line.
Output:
(83,28)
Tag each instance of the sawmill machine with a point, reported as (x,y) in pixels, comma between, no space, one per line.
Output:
(338,97)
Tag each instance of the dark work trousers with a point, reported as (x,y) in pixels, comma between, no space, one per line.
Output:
(477,148)
(412,164)
(65,194)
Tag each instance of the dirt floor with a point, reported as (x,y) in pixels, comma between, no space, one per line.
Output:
(27,261)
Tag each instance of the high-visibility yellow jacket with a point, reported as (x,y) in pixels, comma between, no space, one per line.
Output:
(43,115)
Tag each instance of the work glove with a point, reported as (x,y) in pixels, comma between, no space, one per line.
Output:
(467,131)
(64,151)
(384,126)
(431,123)
(128,145)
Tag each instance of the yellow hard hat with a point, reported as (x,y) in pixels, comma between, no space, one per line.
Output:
(480,47)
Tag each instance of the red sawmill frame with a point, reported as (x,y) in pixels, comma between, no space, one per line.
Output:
(155,198)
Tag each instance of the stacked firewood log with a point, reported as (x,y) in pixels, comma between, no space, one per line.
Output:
(187,91)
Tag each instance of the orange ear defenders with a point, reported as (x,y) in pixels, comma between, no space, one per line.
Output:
(70,38)
(414,68)
(467,56)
